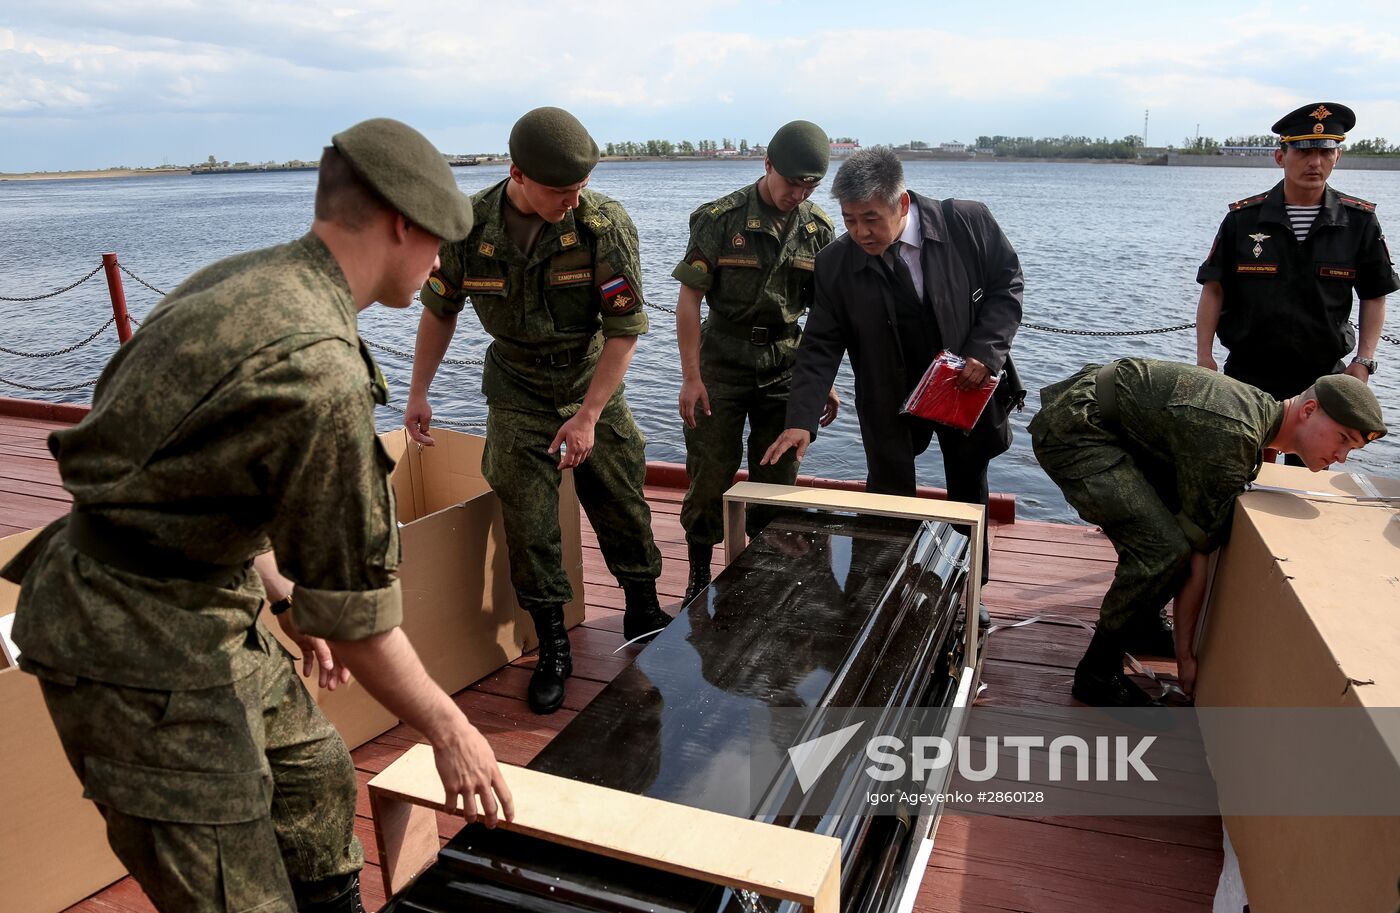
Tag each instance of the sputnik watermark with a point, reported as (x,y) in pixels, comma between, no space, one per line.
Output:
(1111,758)
(1102,759)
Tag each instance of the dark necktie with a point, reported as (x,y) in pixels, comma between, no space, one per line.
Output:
(899,271)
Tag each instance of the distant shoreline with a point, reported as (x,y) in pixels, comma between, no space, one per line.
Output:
(87,175)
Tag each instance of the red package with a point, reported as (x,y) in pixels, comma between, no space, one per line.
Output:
(938,399)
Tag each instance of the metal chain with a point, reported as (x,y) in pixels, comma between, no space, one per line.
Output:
(70,389)
(1395,341)
(395,407)
(67,288)
(73,348)
(401,353)
(148,285)
(1065,332)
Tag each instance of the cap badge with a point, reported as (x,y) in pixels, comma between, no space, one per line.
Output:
(1320,113)
(1317,128)
(1258,240)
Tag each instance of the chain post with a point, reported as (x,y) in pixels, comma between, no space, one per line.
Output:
(114,288)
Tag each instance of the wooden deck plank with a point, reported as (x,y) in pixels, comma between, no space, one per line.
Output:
(1049,865)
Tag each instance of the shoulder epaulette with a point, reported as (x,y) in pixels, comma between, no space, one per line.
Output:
(1356,203)
(820,215)
(593,210)
(1248,201)
(727,203)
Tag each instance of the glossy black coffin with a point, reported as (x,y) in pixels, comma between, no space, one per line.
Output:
(820,612)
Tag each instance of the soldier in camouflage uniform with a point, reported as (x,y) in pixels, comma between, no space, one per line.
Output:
(241,415)
(1156,453)
(750,256)
(553,274)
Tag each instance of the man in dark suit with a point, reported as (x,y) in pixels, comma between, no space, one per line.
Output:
(911,277)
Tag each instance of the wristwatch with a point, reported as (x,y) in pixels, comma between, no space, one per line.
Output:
(1368,363)
(281,605)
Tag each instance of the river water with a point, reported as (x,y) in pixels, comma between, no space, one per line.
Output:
(1103,247)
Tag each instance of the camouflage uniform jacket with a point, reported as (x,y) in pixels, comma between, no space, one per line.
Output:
(241,414)
(751,270)
(1197,435)
(583,277)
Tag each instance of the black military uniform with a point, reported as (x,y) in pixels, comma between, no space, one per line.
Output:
(1285,315)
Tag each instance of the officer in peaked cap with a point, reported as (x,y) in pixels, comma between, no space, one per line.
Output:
(553,272)
(1278,284)
(751,257)
(242,414)
(1323,125)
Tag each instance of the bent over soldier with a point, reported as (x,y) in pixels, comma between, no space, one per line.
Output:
(750,256)
(1156,453)
(553,274)
(242,415)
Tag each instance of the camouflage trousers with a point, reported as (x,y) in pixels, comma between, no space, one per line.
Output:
(525,476)
(1110,489)
(217,799)
(751,383)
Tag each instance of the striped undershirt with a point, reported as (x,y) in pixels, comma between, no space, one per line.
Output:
(1301,218)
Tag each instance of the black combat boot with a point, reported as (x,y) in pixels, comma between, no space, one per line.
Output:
(1152,635)
(546,691)
(643,615)
(700,556)
(338,894)
(1099,680)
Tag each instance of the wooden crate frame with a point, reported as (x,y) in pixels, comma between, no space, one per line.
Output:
(712,847)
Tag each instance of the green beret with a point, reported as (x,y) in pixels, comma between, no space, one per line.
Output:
(408,171)
(1350,403)
(552,148)
(800,151)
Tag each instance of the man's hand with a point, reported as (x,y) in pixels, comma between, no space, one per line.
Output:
(1186,672)
(974,375)
(418,419)
(577,437)
(1359,372)
(316,654)
(693,393)
(833,409)
(469,772)
(792,437)
(1207,360)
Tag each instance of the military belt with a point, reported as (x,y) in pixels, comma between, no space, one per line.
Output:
(755,334)
(1105,392)
(104,541)
(562,358)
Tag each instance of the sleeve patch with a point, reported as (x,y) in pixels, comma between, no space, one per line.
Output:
(618,296)
(437,285)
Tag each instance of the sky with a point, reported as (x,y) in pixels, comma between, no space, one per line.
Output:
(103,83)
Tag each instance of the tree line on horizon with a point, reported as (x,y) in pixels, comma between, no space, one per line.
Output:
(1209,145)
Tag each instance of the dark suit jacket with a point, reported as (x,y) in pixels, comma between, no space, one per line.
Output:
(854,310)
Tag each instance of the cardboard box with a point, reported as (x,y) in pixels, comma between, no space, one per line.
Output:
(53,843)
(1303,614)
(459,612)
